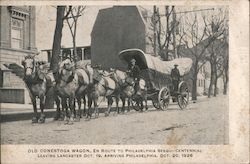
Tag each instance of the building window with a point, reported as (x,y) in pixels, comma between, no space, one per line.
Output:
(201,82)
(16,33)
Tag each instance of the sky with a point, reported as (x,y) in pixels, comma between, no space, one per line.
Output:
(45,27)
(46,19)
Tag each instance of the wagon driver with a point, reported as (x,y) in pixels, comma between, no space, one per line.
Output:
(134,72)
(175,75)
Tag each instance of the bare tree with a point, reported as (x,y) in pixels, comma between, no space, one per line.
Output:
(226,58)
(226,66)
(72,19)
(163,33)
(56,48)
(217,57)
(197,41)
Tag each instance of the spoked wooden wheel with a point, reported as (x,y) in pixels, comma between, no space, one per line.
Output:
(183,95)
(155,104)
(163,98)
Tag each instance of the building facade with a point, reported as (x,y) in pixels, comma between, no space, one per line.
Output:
(17,40)
(83,53)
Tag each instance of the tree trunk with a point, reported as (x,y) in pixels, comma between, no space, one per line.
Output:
(225,87)
(194,87)
(211,80)
(215,86)
(154,27)
(215,79)
(75,51)
(74,41)
(56,49)
(225,82)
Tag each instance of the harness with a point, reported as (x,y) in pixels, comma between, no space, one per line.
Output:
(106,84)
(70,79)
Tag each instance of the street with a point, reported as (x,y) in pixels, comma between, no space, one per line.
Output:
(203,122)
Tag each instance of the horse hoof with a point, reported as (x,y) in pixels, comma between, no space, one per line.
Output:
(56,118)
(77,119)
(70,123)
(66,121)
(61,119)
(41,121)
(34,120)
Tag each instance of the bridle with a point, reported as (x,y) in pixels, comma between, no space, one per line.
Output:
(29,67)
(68,79)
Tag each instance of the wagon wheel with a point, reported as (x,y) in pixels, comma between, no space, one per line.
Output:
(163,98)
(183,95)
(155,104)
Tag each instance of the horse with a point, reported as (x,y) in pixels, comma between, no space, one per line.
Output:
(71,84)
(127,91)
(38,83)
(103,86)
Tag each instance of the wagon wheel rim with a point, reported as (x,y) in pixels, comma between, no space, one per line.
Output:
(183,97)
(163,98)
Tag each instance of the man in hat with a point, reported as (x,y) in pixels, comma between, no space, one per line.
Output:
(175,75)
(134,72)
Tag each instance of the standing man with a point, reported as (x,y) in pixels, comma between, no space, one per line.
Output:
(175,75)
(134,72)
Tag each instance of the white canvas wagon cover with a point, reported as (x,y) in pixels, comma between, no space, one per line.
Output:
(155,71)
(146,61)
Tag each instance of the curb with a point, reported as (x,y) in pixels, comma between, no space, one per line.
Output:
(10,117)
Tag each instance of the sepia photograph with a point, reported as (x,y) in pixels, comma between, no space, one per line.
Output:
(108,74)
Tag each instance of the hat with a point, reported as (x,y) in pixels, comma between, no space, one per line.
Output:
(175,64)
(133,60)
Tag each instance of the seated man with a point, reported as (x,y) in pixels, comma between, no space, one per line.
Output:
(134,72)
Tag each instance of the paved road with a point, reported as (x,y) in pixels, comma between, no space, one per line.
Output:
(203,122)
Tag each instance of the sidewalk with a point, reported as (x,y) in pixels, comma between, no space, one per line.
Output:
(17,112)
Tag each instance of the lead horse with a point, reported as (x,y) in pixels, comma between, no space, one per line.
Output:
(38,83)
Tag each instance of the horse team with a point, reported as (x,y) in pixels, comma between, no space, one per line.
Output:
(76,82)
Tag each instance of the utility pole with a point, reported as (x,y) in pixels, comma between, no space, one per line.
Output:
(154,28)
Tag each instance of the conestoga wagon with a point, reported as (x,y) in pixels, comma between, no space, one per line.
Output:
(156,73)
